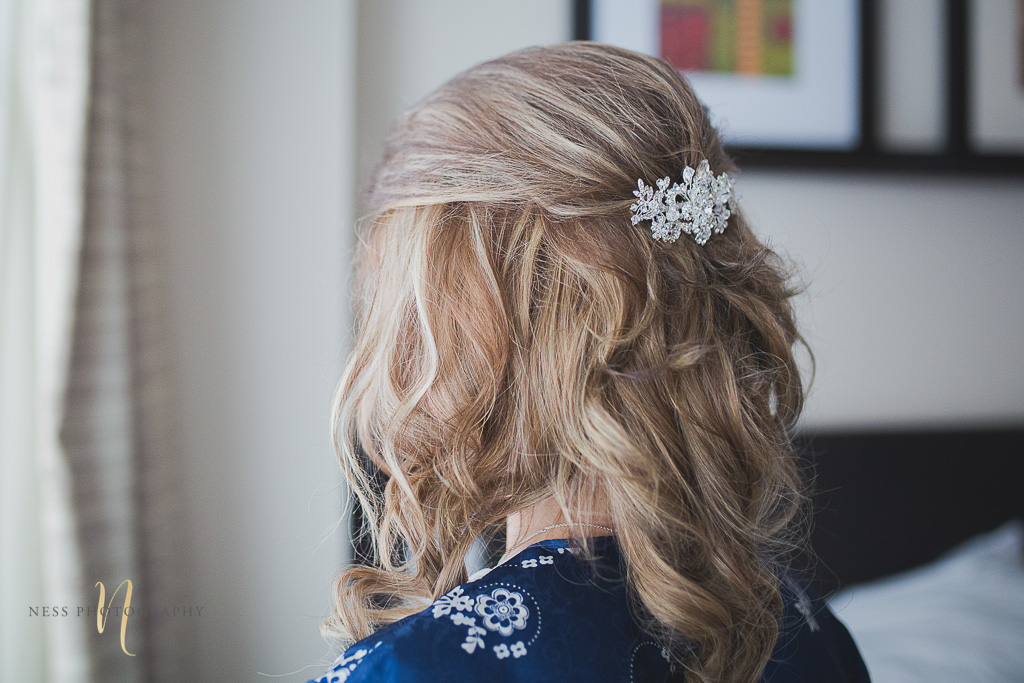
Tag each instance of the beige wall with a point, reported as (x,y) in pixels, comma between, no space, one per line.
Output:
(263,120)
(253,117)
(913,307)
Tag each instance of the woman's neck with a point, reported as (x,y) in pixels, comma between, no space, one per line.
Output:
(522,523)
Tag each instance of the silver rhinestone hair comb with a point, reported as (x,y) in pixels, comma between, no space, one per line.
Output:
(700,205)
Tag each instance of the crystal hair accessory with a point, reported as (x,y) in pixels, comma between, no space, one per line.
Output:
(700,205)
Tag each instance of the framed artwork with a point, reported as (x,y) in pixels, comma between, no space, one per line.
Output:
(894,85)
(774,73)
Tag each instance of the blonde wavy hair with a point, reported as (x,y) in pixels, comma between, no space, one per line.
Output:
(517,338)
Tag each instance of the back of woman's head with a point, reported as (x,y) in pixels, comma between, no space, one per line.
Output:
(518,338)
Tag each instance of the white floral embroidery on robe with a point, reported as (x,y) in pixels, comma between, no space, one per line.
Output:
(345,665)
(502,611)
(453,599)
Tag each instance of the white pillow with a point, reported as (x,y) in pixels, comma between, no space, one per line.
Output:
(959,619)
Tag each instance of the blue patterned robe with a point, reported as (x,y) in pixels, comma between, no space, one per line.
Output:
(543,615)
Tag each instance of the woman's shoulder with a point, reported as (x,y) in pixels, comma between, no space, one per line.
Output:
(542,615)
(813,644)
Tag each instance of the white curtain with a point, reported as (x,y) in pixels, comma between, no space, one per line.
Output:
(90,479)
(44,80)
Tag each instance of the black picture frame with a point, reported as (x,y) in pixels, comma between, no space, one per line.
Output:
(955,157)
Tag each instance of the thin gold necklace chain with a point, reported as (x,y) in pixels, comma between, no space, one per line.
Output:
(553,526)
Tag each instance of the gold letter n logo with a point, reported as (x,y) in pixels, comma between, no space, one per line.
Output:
(101,613)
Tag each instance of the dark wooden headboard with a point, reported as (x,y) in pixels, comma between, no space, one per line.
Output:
(885,502)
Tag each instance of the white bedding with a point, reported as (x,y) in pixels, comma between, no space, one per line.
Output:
(959,619)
